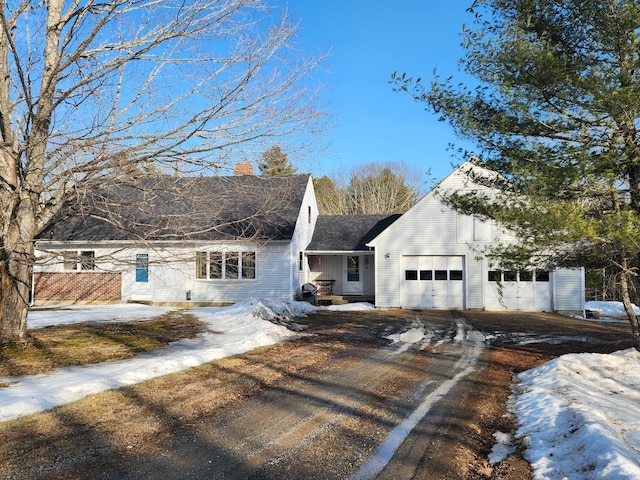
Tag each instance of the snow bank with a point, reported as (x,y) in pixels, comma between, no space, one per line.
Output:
(579,416)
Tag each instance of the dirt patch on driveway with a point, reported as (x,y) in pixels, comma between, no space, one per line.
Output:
(315,407)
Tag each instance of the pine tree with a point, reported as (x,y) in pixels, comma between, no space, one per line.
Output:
(555,112)
(275,162)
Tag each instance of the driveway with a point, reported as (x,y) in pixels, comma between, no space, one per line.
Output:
(376,394)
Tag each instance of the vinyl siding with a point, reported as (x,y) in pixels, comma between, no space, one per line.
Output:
(430,228)
(303,233)
(172,272)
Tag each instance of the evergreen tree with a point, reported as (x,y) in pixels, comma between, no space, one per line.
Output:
(556,112)
(275,162)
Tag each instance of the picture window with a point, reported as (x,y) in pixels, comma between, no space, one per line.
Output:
(225,265)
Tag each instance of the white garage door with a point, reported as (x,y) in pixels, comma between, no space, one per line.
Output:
(432,282)
(518,291)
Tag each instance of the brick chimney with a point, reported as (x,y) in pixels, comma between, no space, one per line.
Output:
(243,169)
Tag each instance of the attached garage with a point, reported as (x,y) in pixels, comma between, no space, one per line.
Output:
(526,291)
(434,257)
(432,281)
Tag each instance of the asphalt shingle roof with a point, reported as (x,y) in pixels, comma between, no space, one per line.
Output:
(348,232)
(189,208)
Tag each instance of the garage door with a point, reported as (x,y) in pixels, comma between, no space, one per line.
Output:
(432,282)
(525,291)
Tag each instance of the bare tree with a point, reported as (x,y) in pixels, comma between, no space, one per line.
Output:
(373,188)
(83,85)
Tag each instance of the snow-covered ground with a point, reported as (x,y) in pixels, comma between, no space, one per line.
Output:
(578,415)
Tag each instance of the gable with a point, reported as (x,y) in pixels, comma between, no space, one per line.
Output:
(441,223)
(184,208)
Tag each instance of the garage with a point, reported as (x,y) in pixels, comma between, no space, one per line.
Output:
(524,290)
(431,281)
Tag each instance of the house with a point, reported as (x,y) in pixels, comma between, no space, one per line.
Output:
(431,257)
(339,261)
(203,240)
(218,240)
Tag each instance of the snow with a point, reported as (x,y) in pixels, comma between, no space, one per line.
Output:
(577,415)
(230,331)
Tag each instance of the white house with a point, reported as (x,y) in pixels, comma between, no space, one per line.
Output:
(218,240)
(212,240)
(431,257)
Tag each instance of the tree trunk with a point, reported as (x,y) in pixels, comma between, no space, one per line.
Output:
(16,266)
(628,308)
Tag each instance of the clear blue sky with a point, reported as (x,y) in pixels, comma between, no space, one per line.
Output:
(367,41)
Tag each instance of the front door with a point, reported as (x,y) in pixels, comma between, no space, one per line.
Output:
(141,283)
(353,280)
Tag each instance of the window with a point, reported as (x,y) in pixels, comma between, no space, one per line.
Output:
(542,276)
(411,275)
(510,276)
(231,265)
(455,275)
(300,264)
(70,260)
(526,276)
(309,216)
(142,267)
(84,260)
(249,265)
(494,276)
(87,260)
(201,264)
(441,275)
(353,269)
(426,275)
(215,265)
(225,265)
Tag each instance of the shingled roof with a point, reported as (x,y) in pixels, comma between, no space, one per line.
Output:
(184,208)
(349,233)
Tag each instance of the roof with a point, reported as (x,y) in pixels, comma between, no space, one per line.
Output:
(348,232)
(184,208)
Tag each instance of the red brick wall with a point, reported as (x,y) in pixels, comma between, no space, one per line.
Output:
(78,287)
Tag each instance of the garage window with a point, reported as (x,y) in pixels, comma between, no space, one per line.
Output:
(526,276)
(441,275)
(411,275)
(542,276)
(510,276)
(426,275)
(455,275)
(494,276)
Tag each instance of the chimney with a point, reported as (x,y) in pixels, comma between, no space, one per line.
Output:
(243,169)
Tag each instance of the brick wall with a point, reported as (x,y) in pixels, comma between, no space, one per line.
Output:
(78,287)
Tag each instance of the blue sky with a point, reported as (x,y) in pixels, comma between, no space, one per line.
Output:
(367,41)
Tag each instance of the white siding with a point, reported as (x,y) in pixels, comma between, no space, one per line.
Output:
(430,228)
(172,271)
(305,226)
(568,286)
